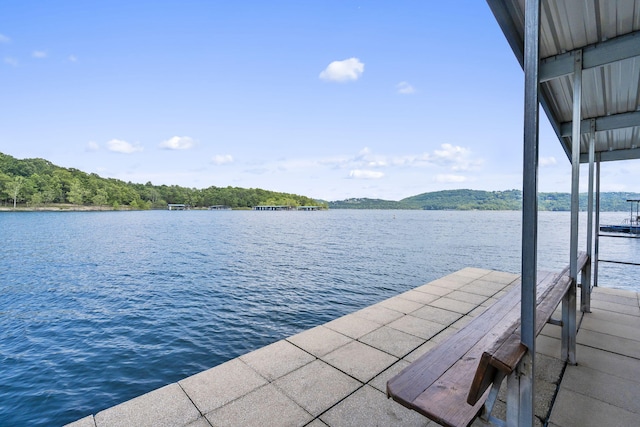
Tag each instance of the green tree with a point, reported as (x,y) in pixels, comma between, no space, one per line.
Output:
(15,187)
(5,181)
(36,199)
(76,193)
(101,198)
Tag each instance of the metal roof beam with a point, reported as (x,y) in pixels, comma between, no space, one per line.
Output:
(614,155)
(614,121)
(596,55)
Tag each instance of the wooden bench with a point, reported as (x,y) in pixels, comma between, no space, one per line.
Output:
(451,383)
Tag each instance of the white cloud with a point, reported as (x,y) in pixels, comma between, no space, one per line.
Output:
(405,88)
(222,159)
(415,160)
(450,153)
(455,156)
(4,39)
(73,58)
(177,143)
(120,146)
(93,146)
(366,158)
(39,54)
(343,71)
(11,61)
(449,178)
(365,174)
(547,161)
(377,163)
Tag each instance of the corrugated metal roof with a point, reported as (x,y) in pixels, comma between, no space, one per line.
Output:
(608,34)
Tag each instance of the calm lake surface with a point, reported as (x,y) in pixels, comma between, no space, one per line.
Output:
(99,307)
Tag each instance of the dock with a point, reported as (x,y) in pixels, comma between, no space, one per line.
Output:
(286,208)
(177,207)
(335,374)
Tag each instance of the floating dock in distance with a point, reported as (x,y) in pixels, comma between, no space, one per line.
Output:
(286,208)
(176,207)
(274,208)
(629,226)
(624,228)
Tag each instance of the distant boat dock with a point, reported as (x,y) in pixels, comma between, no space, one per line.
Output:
(177,207)
(629,226)
(286,208)
(183,207)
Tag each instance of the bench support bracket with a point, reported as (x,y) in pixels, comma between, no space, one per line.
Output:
(569,326)
(491,400)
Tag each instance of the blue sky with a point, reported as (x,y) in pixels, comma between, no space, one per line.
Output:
(330,99)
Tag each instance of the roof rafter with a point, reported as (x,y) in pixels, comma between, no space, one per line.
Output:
(614,155)
(596,55)
(614,121)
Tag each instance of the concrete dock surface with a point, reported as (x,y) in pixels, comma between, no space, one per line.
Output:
(335,374)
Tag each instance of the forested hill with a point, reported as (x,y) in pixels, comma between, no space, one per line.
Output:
(38,182)
(487,200)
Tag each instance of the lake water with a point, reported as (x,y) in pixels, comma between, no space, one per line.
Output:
(99,307)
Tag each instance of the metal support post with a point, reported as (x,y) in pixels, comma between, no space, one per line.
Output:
(525,401)
(519,386)
(513,396)
(596,253)
(585,295)
(569,327)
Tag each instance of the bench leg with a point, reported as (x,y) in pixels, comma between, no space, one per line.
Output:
(520,393)
(491,400)
(569,327)
(585,290)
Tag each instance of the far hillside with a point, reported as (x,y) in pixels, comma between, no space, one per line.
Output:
(487,200)
(467,200)
(34,183)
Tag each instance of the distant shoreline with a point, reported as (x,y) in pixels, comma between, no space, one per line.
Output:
(63,208)
(79,208)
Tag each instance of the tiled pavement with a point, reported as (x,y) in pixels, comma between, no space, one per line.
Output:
(604,388)
(335,374)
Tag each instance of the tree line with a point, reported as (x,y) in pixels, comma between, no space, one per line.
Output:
(38,182)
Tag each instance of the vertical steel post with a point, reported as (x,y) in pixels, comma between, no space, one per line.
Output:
(529,209)
(569,325)
(596,253)
(585,295)
(513,398)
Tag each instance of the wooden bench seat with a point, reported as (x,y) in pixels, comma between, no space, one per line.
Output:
(507,351)
(450,383)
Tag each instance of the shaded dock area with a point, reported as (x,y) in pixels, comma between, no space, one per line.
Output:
(335,374)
